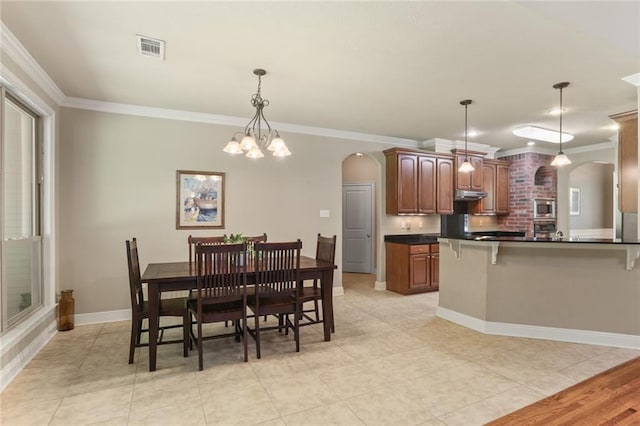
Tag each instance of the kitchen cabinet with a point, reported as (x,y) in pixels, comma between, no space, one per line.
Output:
(468,181)
(418,182)
(495,182)
(503,188)
(412,268)
(627,161)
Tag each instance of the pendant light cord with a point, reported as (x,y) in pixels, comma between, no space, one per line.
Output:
(561,121)
(466,103)
(466,153)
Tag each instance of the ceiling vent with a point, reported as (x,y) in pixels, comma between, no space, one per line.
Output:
(151,47)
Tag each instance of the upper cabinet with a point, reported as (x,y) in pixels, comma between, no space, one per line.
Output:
(469,181)
(418,182)
(502,186)
(495,182)
(627,161)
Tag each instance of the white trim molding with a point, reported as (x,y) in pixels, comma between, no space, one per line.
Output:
(380,285)
(13,338)
(549,151)
(102,317)
(225,120)
(539,332)
(338,291)
(21,56)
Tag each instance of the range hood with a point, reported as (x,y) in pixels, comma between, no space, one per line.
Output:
(462,195)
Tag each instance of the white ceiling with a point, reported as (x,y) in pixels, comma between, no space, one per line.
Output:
(395,69)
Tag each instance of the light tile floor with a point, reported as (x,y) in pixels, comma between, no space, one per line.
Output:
(391,361)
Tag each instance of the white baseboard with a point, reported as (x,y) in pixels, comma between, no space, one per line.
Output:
(380,285)
(590,337)
(100,317)
(9,371)
(125,314)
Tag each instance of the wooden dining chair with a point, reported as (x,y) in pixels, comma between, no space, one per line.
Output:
(277,269)
(192,241)
(221,293)
(326,252)
(175,307)
(251,241)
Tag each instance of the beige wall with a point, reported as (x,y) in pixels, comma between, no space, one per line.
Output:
(117,180)
(595,182)
(577,159)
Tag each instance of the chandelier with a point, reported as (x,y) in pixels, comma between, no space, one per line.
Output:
(254,138)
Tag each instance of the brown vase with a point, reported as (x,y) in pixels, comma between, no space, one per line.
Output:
(65,310)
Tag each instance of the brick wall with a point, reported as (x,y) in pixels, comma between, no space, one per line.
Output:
(531,176)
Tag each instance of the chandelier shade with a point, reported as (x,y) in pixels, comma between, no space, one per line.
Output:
(257,134)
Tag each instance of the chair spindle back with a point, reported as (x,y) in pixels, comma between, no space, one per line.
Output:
(277,266)
(222,271)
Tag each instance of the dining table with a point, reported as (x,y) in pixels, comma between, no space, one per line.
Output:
(176,276)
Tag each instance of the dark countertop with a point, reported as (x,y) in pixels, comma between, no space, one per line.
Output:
(412,239)
(576,240)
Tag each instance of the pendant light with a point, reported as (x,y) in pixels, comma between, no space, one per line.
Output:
(466,166)
(560,159)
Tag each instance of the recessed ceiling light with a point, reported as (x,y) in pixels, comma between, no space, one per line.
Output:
(556,111)
(540,134)
(614,126)
(531,143)
(473,133)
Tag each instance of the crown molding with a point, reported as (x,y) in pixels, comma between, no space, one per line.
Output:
(17,52)
(445,145)
(225,120)
(594,147)
(526,149)
(549,151)
(633,79)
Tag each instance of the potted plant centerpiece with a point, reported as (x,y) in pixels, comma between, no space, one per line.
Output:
(236,239)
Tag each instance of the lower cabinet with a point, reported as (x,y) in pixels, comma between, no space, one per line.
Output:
(412,268)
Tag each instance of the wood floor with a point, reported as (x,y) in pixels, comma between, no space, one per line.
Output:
(610,398)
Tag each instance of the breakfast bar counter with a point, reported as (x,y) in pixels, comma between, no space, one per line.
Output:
(578,290)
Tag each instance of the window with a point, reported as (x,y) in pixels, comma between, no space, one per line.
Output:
(20,191)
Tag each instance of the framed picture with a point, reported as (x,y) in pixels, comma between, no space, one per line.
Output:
(200,200)
(574,201)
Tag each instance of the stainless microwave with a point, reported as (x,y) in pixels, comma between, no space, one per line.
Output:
(544,209)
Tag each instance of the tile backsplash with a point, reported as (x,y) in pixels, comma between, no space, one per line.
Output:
(414,224)
(483,223)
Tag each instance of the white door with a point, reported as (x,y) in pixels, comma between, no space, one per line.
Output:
(357,227)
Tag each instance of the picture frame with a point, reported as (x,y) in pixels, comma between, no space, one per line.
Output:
(200,199)
(574,201)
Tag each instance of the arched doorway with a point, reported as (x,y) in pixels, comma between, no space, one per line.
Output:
(360,180)
(591,200)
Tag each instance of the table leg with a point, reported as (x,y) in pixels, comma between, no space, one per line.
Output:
(154,319)
(327,303)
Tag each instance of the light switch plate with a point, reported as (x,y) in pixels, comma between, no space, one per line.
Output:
(324,213)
